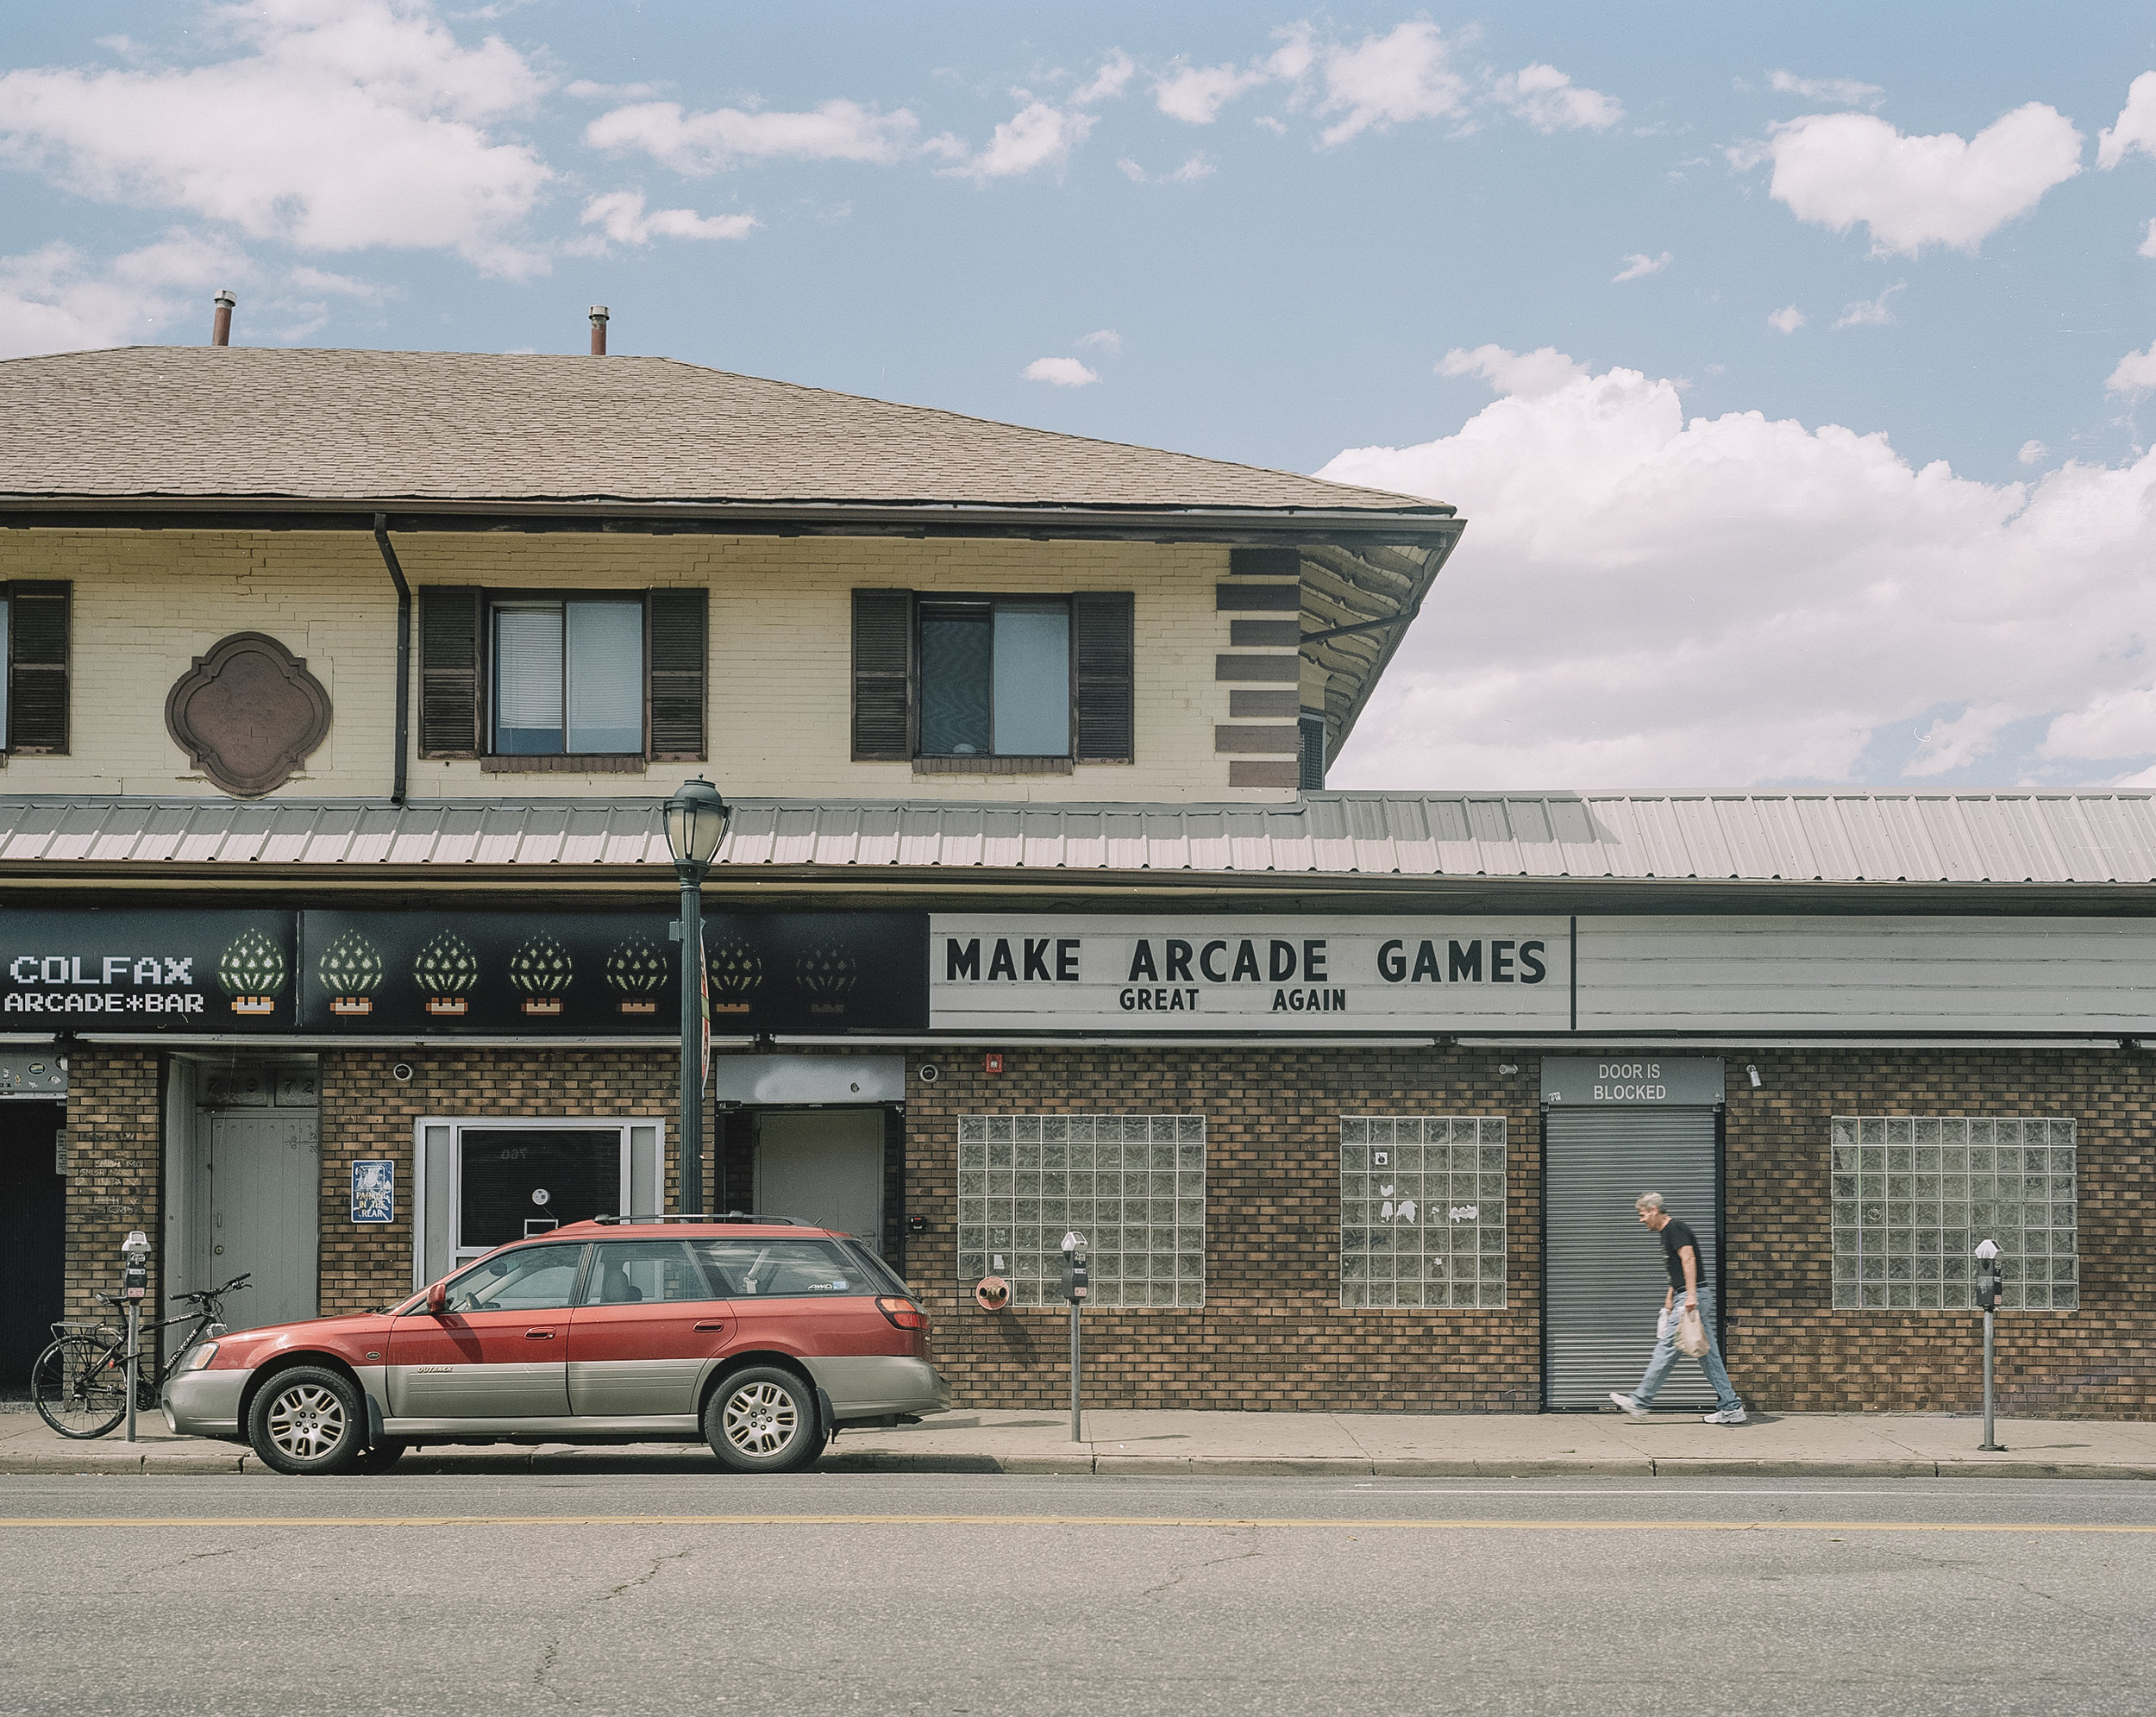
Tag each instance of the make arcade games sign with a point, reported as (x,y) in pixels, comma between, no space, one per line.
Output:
(427,974)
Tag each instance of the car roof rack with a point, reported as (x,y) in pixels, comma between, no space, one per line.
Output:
(741,1216)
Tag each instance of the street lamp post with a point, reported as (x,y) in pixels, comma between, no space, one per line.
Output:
(696,822)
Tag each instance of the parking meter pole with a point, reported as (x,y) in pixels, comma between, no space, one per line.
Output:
(134,1331)
(1990,1443)
(1077,1285)
(1990,1278)
(1075,1360)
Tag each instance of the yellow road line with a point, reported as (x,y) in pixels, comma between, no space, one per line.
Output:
(1155,1521)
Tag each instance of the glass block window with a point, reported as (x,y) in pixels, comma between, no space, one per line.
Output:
(1914,1194)
(1133,1185)
(1422,1210)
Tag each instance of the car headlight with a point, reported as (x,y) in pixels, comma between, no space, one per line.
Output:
(201,1356)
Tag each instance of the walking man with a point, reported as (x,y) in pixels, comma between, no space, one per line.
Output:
(1680,1253)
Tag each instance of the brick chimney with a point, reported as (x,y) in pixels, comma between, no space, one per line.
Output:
(221,328)
(599,331)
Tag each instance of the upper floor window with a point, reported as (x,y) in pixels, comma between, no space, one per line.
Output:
(995,678)
(993,684)
(568,677)
(35,644)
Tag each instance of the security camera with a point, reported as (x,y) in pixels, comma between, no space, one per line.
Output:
(401,1073)
(929,1073)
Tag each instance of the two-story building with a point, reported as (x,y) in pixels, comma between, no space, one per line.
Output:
(343,690)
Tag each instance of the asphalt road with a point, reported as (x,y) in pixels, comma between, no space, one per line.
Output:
(993,1594)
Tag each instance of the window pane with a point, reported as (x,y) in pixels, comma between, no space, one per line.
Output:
(530,1279)
(527,680)
(955,681)
(502,1170)
(767,1270)
(630,1272)
(1032,678)
(4,678)
(607,676)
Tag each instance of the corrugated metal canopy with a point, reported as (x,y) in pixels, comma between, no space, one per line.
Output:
(2000,838)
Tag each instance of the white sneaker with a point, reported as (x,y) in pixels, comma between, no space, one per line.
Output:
(1728,1416)
(1629,1404)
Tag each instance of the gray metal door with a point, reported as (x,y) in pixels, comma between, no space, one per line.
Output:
(1602,1271)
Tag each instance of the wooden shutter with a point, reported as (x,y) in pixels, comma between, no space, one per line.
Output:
(677,622)
(883,660)
(38,628)
(1103,656)
(450,663)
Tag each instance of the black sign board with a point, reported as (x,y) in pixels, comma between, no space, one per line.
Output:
(608,974)
(124,970)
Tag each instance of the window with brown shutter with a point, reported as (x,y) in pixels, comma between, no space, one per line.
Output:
(883,660)
(449,670)
(1103,661)
(39,625)
(677,620)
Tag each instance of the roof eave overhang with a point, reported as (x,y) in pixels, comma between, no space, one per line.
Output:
(1432,526)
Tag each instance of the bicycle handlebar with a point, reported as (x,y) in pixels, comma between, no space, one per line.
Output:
(209,1294)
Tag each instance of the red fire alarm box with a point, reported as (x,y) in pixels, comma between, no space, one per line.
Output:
(992,1062)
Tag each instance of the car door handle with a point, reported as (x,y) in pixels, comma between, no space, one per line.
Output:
(538,1335)
(712,1327)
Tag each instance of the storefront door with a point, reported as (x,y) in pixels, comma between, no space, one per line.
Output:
(32,1233)
(824,1167)
(1609,1140)
(263,1174)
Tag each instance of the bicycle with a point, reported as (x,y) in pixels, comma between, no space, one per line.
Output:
(80,1382)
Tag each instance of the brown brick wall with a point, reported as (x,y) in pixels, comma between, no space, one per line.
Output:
(115,1172)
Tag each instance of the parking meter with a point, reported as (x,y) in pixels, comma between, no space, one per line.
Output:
(134,1278)
(1991,1276)
(1077,1284)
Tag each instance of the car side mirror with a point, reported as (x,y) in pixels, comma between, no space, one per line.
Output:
(438,1299)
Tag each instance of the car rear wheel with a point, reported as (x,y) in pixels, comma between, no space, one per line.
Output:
(307,1420)
(763,1419)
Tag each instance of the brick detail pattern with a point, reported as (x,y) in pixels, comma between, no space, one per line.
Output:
(115,1173)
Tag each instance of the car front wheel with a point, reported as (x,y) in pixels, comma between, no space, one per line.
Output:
(763,1419)
(307,1420)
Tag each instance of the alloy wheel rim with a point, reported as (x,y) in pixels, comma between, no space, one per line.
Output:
(760,1419)
(305,1423)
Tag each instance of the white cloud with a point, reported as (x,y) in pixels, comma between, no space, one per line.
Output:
(1945,746)
(1549,100)
(585,90)
(1063,371)
(1871,312)
(2136,374)
(1196,94)
(1037,135)
(321,280)
(1196,171)
(837,130)
(1105,338)
(2111,725)
(1835,170)
(55,300)
(2135,127)
(1787,320)
(1388,80)
(1841,92)
(1116,71)
(2148,244)
(1645,601)
(1639,265)
(622,216)
(1521,375)
(351,124)
(2032,453)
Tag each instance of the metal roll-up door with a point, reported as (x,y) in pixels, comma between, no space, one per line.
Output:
(1603,1276)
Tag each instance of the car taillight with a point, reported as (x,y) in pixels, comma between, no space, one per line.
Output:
(903,1313)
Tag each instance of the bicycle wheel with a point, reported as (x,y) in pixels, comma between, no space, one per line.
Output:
(80,1388)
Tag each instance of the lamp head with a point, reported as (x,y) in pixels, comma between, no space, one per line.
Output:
(696,822)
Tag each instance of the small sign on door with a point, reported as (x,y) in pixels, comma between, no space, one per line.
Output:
(375,1189)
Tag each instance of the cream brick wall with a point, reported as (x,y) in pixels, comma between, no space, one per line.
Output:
(147,603)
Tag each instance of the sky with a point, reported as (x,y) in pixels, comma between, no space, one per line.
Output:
(1794,368)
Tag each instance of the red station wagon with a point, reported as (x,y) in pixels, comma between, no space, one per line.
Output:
(760,1337)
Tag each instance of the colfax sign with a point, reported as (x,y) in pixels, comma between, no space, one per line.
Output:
(1244,973)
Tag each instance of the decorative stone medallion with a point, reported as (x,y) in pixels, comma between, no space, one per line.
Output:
(248,714)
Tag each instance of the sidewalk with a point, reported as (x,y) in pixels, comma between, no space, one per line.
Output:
(1211,1445)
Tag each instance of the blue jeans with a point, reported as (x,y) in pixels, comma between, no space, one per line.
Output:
(1665,1356)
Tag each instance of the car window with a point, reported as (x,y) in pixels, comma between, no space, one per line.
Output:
(770,1270)
(630,1272)
(529,1279)
(879,1271)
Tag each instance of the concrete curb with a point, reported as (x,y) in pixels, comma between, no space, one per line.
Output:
(220,1458)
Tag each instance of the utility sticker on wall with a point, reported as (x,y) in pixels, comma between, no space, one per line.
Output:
(375,1189)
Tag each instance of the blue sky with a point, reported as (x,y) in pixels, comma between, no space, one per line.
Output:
(1328,240)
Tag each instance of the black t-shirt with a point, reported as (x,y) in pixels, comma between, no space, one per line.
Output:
(1676,1236)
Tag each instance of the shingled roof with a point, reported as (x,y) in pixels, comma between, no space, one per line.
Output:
(235,422)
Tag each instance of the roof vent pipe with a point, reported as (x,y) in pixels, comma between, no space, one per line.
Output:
(599,331)
(220,328)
